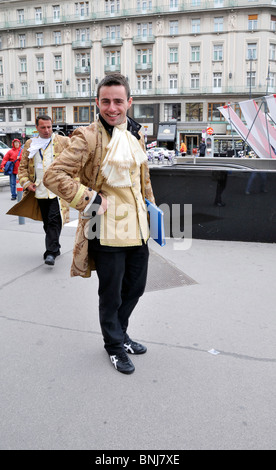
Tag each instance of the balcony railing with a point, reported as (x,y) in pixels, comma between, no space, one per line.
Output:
(159,8)
(107,42)
(82,44)
(82,70)
(112,68)
(143,67)
(148,39)
(180,92)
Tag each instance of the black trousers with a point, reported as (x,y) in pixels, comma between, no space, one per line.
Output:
(52,225)
(122,280)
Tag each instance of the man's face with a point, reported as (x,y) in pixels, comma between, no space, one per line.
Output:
(113,104)
(44,129)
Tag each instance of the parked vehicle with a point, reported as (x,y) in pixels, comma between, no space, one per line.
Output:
(3,150)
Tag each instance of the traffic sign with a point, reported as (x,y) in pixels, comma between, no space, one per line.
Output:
(210,131)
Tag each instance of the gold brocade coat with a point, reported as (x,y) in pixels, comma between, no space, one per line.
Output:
(76,174)
(29,207)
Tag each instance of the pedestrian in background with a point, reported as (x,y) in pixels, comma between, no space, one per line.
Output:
(14,155)
(38,202)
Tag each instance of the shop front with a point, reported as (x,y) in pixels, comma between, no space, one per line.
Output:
(166,136)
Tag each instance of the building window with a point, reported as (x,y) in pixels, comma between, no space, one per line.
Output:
(58,62)
(272,52)
(252,22)
(144,83)
(39,39)
(1,66)
(82,60)
(214,113)
(22,40)
(113,58)
(1,89)
(41,112)
(113,32)
(144,56)
(82,9)
(218,25)
(194,112)
(82,115)
(23,64)
(40,64)
(172,112)
(173,82)
(251,79)
(252,51)
(59,115)
(196,26)
(195,53)
(57,38)
(20,16)
(41,87)
(173,28)
(174,5)
(83,86)
(144,29)
(194,81)
(2,111)
(273,23)
(28,114)
(56,12)
(143,111)
(15,115)
(58,87)
(271,82)
(217,81)
(38,15)
(173,55)
(144,6)
(83,34)
(24,88)
(112,6)
(218,52)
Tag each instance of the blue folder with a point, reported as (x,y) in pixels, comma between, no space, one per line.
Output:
(157,227)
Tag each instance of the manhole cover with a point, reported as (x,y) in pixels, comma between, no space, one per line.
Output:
(164,275)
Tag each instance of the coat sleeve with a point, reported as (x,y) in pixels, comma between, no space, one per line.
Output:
(62,177)
(5,159)
(23,171)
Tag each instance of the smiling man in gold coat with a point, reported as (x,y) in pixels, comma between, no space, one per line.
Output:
(104,174)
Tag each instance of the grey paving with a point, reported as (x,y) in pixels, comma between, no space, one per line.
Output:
(58,389)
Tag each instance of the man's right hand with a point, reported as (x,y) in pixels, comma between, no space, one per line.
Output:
(103,206)
(32,187)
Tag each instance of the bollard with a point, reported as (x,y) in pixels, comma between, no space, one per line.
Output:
(19,189)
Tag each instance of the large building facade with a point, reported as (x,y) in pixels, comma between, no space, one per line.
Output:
(183,59)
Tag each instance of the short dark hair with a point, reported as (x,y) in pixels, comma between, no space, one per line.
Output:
(114,79)
(43,117)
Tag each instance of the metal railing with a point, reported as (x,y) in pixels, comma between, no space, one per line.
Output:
(159,8)
(180,92)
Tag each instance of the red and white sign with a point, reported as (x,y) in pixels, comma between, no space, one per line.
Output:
(210,131)
(153,144)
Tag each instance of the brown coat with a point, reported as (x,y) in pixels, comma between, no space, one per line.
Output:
(75,174)
(29,207)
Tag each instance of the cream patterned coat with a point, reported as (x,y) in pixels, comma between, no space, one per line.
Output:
(75,175)
(26,174)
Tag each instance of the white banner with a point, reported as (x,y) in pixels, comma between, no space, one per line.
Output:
(271,101)
(243,131)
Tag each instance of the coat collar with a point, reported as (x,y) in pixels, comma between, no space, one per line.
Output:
(132,126)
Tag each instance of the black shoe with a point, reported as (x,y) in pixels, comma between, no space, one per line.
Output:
(122,363)
(134,348)
(14,198)
(50,260)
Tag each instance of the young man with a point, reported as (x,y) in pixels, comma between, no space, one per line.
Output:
(38,154)
(105,171)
